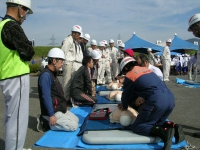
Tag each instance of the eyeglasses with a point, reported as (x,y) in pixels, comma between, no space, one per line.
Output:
(26,10)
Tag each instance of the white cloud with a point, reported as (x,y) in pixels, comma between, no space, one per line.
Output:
(150,19)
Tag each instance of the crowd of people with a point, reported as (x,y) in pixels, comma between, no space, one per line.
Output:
(83,69)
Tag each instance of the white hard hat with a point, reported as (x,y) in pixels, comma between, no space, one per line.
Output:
(149,49)
(125,61)
(118,97)
(101,43)
(194,19)
(125,120)
(105,42)
(81,35)
(93,42)
(25,3)
(95,54)
(111,41)
(56,53)
(122,45)
(87,37)
(168,40)
(77,28)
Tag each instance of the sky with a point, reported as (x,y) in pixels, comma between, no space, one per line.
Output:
(151,20)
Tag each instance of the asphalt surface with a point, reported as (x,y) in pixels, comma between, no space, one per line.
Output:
(186,112)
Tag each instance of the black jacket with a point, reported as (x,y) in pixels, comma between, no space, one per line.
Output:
(81,81)
(84,49)
(14,38)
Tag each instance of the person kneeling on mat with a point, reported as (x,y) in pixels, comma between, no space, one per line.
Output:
(81,87)
(53,104)
(157,99)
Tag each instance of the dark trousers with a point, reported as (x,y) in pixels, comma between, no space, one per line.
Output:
(154,112)
(83,97)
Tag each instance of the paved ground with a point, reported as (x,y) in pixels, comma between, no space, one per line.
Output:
(186,112)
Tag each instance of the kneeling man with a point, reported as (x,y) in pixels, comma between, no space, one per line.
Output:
(81,87)
(52,100)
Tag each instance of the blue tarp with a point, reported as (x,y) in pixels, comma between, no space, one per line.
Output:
(140,45)
(179,45)
(70,140)
(182,81)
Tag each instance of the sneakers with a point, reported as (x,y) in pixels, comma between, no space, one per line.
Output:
(27,149)
(42,124)
(74,104)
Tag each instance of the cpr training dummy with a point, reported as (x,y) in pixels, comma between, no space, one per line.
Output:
(116,85)
(125,118)
(115,95)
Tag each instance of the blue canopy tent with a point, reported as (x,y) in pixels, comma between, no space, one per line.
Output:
(139,45)
(179,45)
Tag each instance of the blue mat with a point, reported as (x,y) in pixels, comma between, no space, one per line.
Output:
(70,140)
(101,88)
(181,81)
(104,100)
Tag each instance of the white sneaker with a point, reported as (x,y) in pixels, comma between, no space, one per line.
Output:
(27,149)
(166,80)
(73,103)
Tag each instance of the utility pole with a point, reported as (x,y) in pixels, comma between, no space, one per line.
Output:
(53,41)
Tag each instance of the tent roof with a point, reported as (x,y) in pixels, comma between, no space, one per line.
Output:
(140,45)
(178,44)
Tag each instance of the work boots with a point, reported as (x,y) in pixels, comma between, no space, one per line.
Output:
(165,134)
(178,134)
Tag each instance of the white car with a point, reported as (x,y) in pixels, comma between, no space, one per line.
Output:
(44,63)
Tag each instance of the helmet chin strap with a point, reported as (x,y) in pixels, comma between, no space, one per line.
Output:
(20,16)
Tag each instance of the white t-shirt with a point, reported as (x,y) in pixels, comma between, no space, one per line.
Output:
(156,70)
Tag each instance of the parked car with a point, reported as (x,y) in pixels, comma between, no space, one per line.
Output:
(44,63)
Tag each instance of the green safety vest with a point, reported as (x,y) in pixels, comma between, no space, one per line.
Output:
(11,64)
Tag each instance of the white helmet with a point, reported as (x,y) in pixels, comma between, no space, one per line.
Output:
(101,43)
(25,3)
(87,37)
(168,40)
(125,120)
(93,42)
(149,49)
(77,28)
(95,54)
(122,45)
(105,42)
(194,19)
(56,53)
(125,61)
(118,97)
(111,41)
